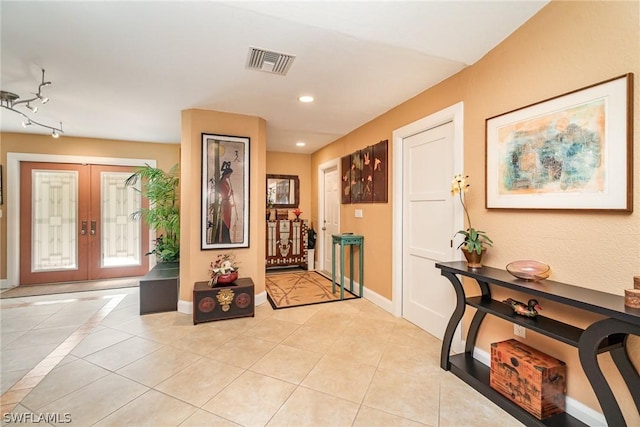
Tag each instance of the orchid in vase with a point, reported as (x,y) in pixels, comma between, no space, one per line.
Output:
(474,240)
(223,270)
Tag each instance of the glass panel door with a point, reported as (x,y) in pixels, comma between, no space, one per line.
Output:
(76,224)
(119,243)
(53,222)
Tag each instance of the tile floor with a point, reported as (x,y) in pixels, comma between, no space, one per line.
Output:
(91,359)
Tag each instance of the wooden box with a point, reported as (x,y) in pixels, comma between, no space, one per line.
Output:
(223,302)
(531,379)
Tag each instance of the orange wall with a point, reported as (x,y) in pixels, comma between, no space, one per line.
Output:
(194,262)
(293,164)
(166,156)
(566,46)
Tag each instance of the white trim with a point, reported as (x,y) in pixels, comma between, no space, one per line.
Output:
(573,407)
(377,299)
(335,163)
(185,307)
(13,197)
(454,114)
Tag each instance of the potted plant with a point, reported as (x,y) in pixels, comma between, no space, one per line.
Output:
(163,214)
(475,241)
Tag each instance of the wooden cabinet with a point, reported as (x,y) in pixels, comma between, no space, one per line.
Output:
(286,243)
(608,335)
(236,299)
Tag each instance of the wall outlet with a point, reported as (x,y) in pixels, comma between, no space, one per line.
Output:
(358,213)
(520,331)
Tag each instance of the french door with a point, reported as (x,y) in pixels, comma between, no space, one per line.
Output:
(76,224)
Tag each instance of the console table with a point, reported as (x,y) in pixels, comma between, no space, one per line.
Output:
(346,239)
(607,335)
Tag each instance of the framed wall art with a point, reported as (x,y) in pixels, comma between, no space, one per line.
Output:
(225,192)
(365,175)
(573,151)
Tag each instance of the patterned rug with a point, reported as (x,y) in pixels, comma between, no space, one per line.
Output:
(62,288)
(296,289)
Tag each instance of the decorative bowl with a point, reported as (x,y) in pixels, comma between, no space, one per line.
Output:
(225,279)
(529,270)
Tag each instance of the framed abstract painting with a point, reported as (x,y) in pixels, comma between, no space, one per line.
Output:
(225,192)
(573,151)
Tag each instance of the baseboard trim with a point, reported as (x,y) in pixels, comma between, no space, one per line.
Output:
(573,407)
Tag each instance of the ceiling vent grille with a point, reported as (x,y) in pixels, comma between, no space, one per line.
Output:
(269,61)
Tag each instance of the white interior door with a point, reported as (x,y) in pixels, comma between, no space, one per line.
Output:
(330,218)
(428,220)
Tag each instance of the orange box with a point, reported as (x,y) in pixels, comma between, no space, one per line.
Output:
(531,379)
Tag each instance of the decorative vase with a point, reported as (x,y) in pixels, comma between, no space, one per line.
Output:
(474,259)
(223,279)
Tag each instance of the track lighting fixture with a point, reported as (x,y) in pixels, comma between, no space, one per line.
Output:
(10,100)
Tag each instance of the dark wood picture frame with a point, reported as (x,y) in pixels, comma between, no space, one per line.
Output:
(283,191)
(225,192)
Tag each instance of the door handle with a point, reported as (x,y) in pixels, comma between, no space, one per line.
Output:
(93,228)
(83,230)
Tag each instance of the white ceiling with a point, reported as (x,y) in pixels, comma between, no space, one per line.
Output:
(125,70)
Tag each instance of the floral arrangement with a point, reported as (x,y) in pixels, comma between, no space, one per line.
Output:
(223,264)
(473,239)
(297,212)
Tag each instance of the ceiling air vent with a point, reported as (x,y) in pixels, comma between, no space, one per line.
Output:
(269,61)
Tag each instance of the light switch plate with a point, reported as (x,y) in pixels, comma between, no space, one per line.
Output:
(358,213)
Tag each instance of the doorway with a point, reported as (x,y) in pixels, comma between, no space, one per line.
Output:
(77,223)
(427,154)
(15,221)
(328,214)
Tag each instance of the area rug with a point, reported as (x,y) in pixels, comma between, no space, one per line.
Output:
(61,288)
(297,289)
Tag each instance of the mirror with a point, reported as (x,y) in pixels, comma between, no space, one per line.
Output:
(283,191)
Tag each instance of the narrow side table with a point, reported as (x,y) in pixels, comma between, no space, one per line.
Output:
(346,240)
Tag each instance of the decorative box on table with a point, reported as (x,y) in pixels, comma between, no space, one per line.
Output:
(224,301)
(531,379)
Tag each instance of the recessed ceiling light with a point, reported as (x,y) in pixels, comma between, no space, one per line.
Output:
(306,98)
(300,144)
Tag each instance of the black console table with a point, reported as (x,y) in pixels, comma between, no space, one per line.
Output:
(607,335)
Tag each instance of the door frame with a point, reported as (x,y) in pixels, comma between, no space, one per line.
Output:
(455,114)
(335,163)
(13,198)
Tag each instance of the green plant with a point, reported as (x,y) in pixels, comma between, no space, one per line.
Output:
(163,214)
(474,240)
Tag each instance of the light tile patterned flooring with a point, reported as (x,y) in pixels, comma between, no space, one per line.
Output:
(91,357)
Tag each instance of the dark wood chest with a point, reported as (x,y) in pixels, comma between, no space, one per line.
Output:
(229,301)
